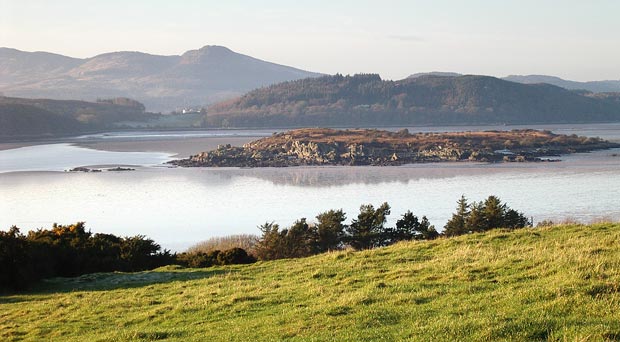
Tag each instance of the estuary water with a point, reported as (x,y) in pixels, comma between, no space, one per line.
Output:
(180,207)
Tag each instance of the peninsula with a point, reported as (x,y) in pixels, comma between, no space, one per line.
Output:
(323,146)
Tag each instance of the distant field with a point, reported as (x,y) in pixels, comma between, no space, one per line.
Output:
(542,284)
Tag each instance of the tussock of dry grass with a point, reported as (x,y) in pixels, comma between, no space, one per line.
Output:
(222,243)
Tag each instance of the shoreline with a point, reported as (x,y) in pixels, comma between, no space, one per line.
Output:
(330,147)
(182,146)
(579,126)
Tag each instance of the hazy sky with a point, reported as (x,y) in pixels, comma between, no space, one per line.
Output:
(572,39)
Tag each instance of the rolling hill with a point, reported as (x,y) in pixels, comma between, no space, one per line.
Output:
(367,100)
(541,284)
(162,83)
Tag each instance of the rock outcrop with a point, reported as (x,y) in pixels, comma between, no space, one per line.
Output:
(320,146)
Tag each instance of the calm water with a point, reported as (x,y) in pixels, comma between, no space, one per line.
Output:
(63,156)
(179,207)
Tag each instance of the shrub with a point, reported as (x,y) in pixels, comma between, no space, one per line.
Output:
(70,251)
(16,266)
(231,256)
(235,256)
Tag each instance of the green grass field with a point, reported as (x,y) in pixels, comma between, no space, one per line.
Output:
(559,283)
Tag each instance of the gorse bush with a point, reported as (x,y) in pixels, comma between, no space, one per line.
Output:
(70,250)
(231,256)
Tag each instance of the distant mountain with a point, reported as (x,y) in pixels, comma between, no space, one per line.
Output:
(593,86)
(366,100)
(162,83)
(36,118)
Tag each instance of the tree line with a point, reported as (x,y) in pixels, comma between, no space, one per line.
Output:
(71,250)
(368,230)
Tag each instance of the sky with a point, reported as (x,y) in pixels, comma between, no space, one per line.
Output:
(577,40)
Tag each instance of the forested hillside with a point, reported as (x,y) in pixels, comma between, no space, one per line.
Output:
(18,120)
(367,100)
(23,118)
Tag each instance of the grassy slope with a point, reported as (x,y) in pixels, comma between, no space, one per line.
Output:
(560,283)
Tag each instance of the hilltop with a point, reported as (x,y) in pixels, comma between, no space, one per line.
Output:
(556,283)
(324,146)
(367,100)
(162,83)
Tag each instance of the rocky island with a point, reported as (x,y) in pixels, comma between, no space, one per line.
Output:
(323,146)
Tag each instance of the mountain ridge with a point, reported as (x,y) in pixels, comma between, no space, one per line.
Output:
(163,83)
(602,86)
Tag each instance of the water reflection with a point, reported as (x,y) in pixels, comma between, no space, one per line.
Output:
(179,207)
(325,177)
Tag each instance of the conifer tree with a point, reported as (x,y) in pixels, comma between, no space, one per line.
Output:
(476,221)
(494,211)
(330,230)
(457,225)
(368,229)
